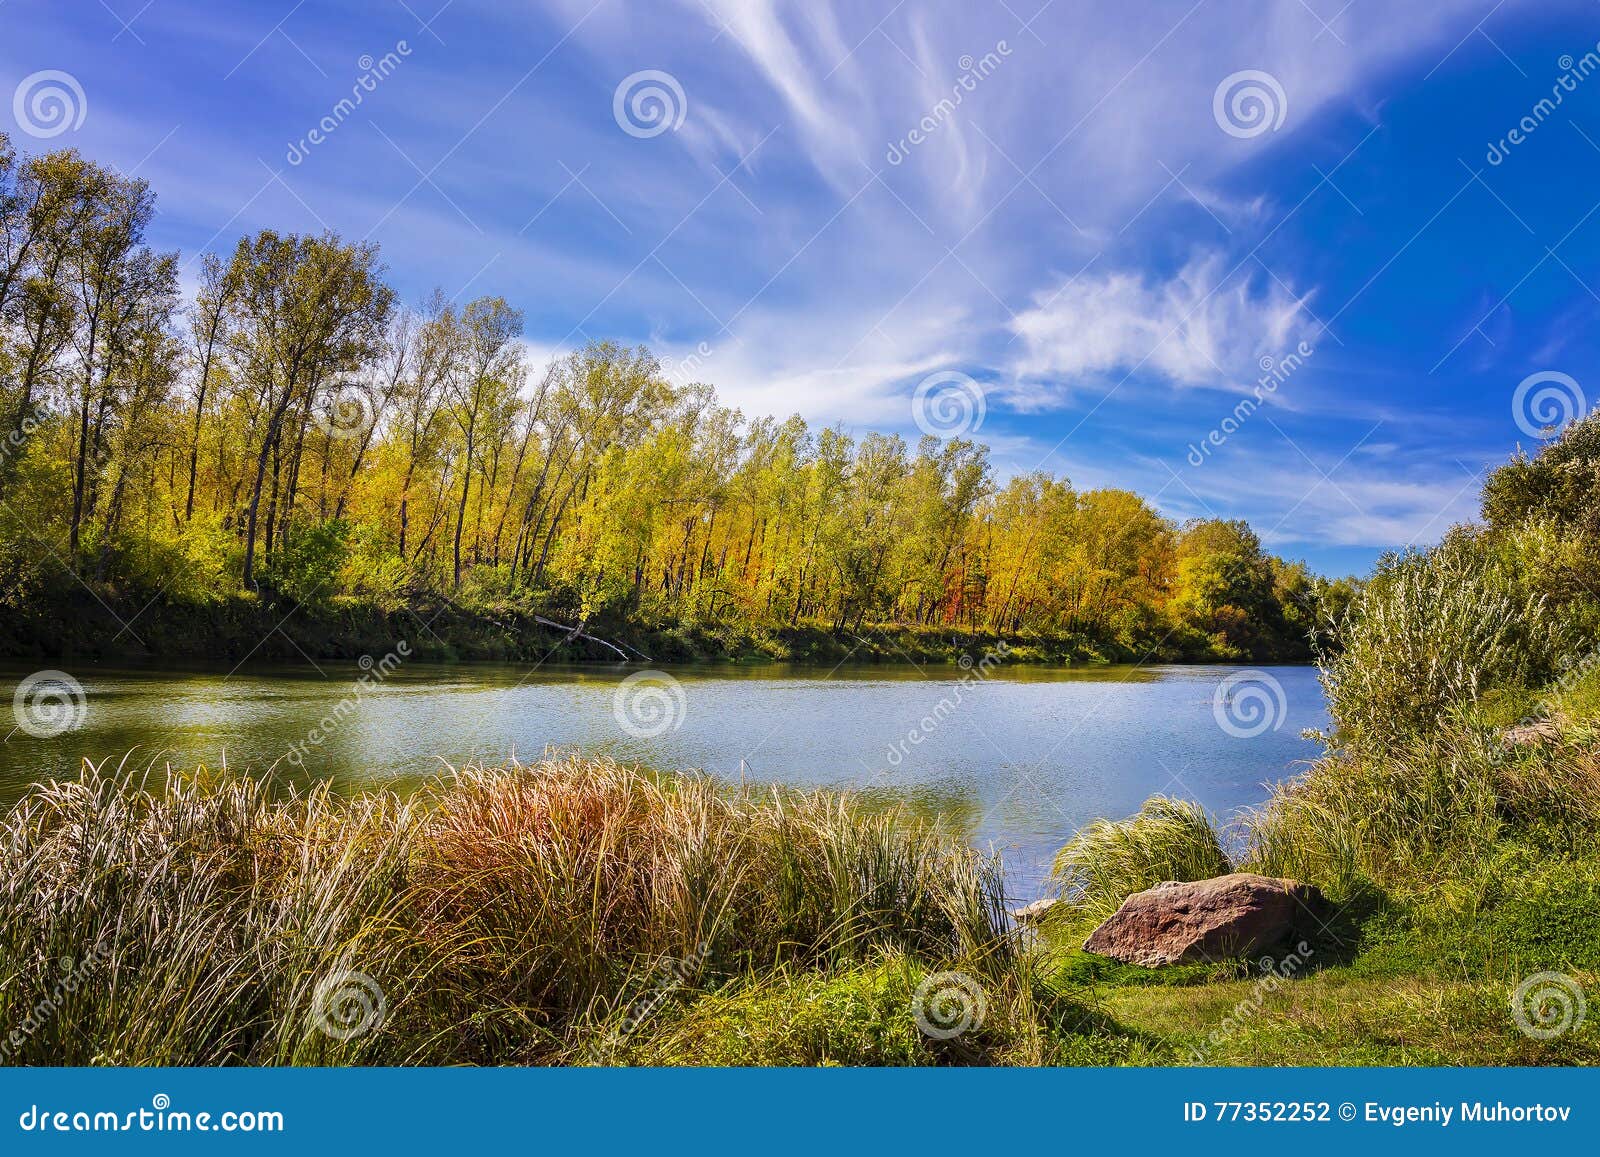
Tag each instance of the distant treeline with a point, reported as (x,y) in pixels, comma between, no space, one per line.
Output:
(295,437)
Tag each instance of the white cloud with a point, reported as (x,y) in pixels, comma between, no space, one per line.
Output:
(812,76)
(826,369)
(1206,326)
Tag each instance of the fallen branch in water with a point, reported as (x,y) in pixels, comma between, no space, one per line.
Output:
(577,632)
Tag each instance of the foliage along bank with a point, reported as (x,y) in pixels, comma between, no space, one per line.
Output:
(180,476)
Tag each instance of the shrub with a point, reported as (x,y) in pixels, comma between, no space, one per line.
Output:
(1108,861)
(1560,484)
(306,564)
(1414,814)
(1428,635)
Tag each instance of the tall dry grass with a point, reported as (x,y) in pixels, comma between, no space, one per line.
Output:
(505,915)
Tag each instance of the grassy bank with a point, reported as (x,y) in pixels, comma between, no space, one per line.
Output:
(1453,821)
(71,622)
(580,912)
(565,912)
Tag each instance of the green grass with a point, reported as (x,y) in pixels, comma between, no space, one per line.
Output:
(1427,978)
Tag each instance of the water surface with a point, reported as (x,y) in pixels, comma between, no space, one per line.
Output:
(1015,757)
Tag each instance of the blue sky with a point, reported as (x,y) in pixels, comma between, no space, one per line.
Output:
(1097,234)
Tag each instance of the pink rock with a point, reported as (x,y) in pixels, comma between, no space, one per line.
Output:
(1217,919)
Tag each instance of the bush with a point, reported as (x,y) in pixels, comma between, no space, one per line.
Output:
(1108,861)
(1561,484)
(1428,635)
(374,571)
(858,1017)
(1415,814)
(307,563)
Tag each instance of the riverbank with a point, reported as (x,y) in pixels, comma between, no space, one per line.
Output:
(518,915)
(579,912)
(104,626)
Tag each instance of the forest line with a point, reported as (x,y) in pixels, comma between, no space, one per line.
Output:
(293,433)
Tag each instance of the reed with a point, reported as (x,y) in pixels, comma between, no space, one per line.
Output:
(501,915)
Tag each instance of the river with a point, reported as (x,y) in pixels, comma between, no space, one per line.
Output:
(1014,757)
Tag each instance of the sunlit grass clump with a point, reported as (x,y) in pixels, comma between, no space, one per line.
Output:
(553,912)
(1109,860)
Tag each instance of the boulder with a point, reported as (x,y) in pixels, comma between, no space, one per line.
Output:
(1035,911)
(1215,919)
(1535,734)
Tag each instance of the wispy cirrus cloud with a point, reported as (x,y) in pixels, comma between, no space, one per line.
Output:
(1204,326)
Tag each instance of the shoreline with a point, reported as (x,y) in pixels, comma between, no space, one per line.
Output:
(83,626)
